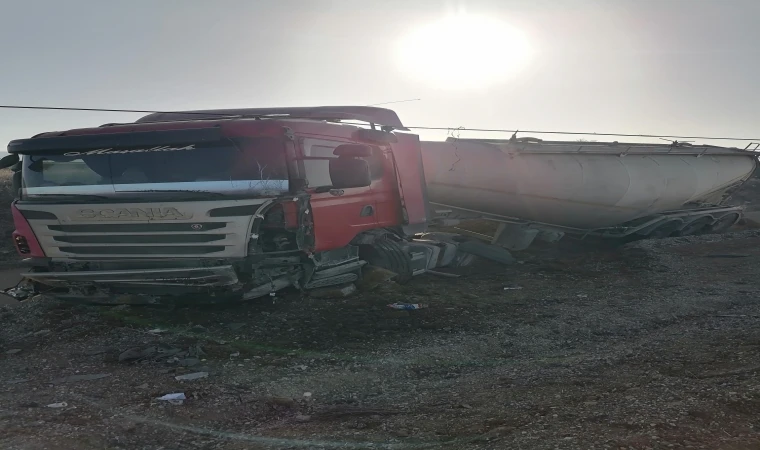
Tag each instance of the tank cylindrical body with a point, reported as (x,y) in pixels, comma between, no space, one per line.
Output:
(584,185)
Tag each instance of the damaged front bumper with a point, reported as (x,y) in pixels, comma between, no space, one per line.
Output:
(218,276)
(152,281)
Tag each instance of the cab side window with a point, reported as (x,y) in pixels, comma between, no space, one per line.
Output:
(318,170)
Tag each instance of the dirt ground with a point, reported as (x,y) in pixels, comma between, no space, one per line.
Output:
(654,345)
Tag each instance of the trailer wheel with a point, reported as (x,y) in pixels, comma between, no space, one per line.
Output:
(724,223)
(389,255)
(696,226)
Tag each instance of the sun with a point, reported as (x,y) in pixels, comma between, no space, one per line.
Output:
(463,51)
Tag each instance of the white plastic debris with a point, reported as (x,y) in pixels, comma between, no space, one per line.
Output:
(58,405)
(234,355)
(176,398)
(513,288)
(157,331)
(191,376)
(307,394)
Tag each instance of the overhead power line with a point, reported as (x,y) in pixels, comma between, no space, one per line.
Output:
(396,101)
(484,130)
(577,133)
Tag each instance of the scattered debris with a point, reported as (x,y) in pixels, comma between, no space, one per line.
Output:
(17,293)
(176,398)
(13,351)
(512,288)
(281,401)
(75,378)
(373,276)
(488,251)
(157,331)
(341,291)
(191,376)
(407,306)
(57,405)
(136,354)
(443,274)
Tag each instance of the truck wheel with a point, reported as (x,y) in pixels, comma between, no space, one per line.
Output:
(388,255)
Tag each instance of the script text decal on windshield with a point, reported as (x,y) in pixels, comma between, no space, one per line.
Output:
(110,151)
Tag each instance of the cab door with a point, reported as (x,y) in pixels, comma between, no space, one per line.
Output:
(339,214)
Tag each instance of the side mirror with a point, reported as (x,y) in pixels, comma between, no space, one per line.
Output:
(349,173)
(353,150)
(9,160)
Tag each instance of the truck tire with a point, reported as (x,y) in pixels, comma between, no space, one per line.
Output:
(389,255)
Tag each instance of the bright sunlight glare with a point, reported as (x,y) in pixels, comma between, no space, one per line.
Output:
(464,51)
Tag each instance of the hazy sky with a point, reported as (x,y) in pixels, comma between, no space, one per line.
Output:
(651,66)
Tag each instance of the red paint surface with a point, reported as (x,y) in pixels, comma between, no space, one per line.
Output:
(24,229)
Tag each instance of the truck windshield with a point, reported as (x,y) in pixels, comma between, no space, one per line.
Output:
(253,166)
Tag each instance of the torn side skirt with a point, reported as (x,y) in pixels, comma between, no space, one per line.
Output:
(217,276)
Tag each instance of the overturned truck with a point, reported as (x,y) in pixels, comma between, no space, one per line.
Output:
(242,203)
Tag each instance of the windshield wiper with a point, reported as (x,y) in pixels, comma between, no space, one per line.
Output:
(71,196)
(179,191)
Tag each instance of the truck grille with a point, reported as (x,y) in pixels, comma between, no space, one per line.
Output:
(205,233)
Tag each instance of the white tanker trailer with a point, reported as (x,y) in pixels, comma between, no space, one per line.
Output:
(537,188)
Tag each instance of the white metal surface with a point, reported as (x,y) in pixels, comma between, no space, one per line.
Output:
(134,230)
(579,184)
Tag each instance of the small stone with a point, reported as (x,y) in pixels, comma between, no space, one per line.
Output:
(136,353)
(302,418)
(189,362)
(281,401)
(13,351)
(58,405)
